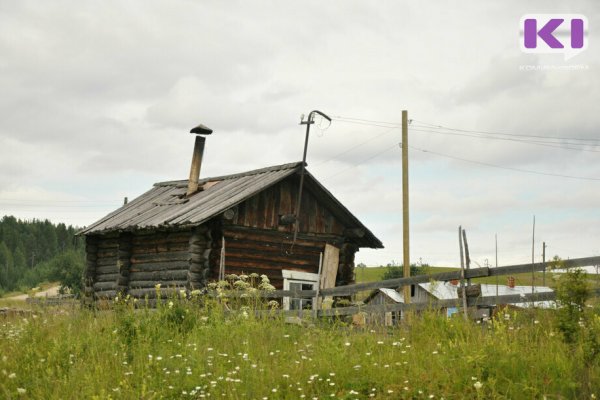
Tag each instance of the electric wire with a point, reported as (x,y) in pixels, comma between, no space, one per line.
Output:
(555,145)
(354,147)
(361,162)
(503,167)
(439,129)
(504,133)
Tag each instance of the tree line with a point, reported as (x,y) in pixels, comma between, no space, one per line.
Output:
(34,251)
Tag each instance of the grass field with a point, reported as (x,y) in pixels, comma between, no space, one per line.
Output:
(182,350)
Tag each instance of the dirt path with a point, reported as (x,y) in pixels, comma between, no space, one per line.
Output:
(53,291)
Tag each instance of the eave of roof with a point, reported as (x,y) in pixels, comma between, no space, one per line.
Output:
(165,206)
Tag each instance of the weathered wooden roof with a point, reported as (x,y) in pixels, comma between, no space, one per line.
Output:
(166,205)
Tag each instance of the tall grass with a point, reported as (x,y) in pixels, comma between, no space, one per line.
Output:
(187,350)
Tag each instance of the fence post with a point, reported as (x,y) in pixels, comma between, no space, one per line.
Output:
(462,272)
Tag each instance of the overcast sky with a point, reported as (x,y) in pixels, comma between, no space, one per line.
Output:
(97,99)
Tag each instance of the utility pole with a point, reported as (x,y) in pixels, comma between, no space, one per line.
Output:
(405,225)
(544,263)
(533,258)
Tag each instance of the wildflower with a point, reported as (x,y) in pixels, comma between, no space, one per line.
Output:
(12,376)
(21,391)
(347,344)
(478,385)
(170,304)
(157,286)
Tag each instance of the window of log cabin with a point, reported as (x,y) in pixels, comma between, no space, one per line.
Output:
(296,280)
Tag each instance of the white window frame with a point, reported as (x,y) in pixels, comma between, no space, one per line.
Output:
(290,276)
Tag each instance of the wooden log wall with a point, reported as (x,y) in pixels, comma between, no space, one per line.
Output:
(159,258)
(200,244)
(107,270)
(345,274)
(263,210)
(91,252)
(266,252)
(123,262)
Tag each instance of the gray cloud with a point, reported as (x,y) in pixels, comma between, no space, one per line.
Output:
(98,99)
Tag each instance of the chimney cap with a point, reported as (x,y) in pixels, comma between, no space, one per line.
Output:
(201,130)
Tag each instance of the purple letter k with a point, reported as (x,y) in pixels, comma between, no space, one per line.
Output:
(531,33)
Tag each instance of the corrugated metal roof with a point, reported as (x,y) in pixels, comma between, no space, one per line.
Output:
(448,291)
(392,294)
(165,205)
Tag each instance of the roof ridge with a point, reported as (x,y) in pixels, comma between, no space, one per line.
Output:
(272,168)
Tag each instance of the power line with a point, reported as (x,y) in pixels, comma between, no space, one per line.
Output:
(354,147)
(348,119)
(502,167)
(556,145)
(362,162)
(504,133)
(387,124)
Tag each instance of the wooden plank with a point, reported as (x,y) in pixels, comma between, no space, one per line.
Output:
(269,205)
(107,277)
(279,263)
(107,253)
(107,269)
(159,266)
(153,249)
(307,258)
(331,261)
(105,262)
(165,275)
(572,263)
(160,257)
(310,240)
(270,247)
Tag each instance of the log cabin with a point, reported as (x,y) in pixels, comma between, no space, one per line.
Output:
(184,234)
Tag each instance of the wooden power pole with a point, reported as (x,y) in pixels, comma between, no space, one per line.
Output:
(405,225)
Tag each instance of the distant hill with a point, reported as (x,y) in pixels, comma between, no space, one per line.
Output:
(36,251)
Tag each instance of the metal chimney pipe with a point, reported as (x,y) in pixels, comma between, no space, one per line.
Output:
(196,164)
(197,157)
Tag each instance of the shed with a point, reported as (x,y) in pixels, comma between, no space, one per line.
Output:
(183,234)
(431,291)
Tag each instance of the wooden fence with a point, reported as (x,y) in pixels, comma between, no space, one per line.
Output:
(349,290)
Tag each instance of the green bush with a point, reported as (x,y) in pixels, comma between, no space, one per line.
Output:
(572,293)
(68,269)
